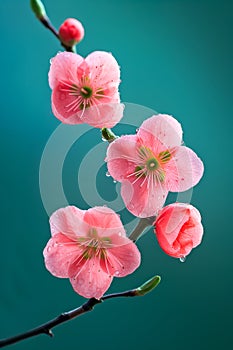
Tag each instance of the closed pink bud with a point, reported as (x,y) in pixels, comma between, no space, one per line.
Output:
(71,32)
(178,229)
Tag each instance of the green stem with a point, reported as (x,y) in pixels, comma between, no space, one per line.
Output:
(141,226)
(108,135)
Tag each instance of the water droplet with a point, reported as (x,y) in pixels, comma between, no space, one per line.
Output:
(49,249)
(108,174)
(103,139)
(119,234)
(117,272)
(114,181)
(182,259)
(137,129)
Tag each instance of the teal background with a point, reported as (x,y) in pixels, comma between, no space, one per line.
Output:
(176,57)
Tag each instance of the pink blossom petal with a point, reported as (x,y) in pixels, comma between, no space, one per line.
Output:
(184,170)
(142,201)
(122,260)
(68,221)
(171,219)
(195,226)
(90,280)
(104,68)
(64,68)
(65,106)
(160,130)
(103,115)
(122,157)
(59,253)
(104,217)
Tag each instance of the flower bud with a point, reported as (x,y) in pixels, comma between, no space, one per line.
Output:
(148,286)
(38,8)
(178,229)
(71,32)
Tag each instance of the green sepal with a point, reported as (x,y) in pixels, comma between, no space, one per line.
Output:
(38,8)
(148,286)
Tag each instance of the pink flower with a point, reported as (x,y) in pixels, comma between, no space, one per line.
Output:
(178,229)
(89,247)
(152,163)
(71,32)
(86,90)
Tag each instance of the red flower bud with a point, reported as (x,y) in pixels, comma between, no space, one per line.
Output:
(71,32)
(178,229)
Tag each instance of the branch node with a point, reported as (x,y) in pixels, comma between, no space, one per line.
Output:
(49,332)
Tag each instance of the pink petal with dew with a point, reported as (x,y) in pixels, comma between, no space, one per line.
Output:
(122,157)
(103,217)
(69,221)
(170,220)
(194,226)
(65,106)
(83,70)
(59,253)
(103,115)
(122,260)
(161,129)
(64,68)
(142,201)
(104,68)
(89,280)
(184,170)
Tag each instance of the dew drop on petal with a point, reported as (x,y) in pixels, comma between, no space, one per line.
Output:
(49,249)
(108,174)
(182,259)
(114,181)
(117,272)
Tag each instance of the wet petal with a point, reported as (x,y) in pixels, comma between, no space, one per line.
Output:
(122,157)
(66,106)
(103,115)
(104,218)
(59,253)
(64,68)
(142,201)
(68,221)
(122,260)
(184,170)
(90,280)
(104,68)
(160,132)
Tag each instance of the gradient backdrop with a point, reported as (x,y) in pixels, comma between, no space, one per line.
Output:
(176,57)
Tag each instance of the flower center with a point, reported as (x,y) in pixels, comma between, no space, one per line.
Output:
(86,92)
(152,164)
(150,168)
(93,245)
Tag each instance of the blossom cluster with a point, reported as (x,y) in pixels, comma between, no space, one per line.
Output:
(90,247)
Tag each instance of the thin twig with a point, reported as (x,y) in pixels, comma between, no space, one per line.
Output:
(48,24)
(46,328)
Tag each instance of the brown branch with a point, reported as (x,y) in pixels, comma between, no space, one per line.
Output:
(47,23)
(46,328)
